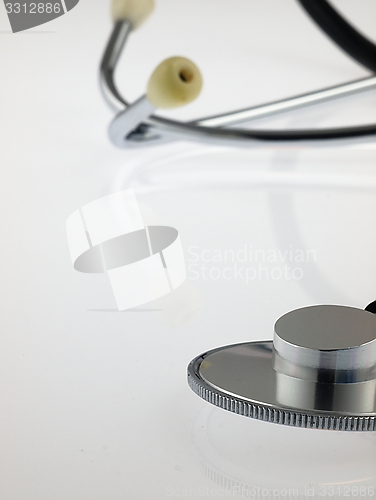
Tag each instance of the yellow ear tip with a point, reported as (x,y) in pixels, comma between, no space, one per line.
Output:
(175,82)
(135,11)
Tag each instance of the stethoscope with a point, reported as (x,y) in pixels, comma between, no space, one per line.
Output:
(177,81)
(319,371)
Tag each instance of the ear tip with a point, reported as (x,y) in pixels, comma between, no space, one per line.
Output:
(135,11)
(176,81)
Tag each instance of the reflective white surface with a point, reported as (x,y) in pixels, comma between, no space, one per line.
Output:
(95,402)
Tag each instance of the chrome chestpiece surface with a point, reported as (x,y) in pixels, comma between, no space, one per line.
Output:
(319,371)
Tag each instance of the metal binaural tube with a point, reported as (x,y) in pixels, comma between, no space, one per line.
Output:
(211,129)
(110,58)
(290,104)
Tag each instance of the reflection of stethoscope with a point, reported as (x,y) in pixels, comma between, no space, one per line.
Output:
(243,457)
(177,81)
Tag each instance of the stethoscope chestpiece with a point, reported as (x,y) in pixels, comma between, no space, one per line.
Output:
(318,372)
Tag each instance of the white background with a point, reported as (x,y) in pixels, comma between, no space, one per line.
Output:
(94,403)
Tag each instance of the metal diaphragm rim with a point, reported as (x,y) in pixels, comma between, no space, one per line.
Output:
(261,409)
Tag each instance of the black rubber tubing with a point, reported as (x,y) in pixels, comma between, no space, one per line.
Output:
(341,32)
